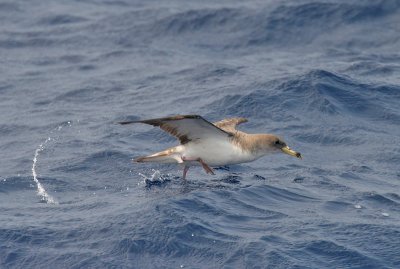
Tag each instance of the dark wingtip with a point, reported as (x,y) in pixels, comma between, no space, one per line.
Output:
(126,122)
(139,160)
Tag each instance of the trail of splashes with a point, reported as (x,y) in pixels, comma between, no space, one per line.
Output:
(45,197)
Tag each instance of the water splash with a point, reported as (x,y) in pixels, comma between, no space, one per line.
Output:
(41,191)
(45,197)
(155,179)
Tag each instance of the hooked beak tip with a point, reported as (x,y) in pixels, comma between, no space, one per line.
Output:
(291,152)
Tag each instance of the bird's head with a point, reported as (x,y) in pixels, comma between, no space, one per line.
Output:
(276,144)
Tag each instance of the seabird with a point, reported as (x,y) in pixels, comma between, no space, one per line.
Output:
(211,144)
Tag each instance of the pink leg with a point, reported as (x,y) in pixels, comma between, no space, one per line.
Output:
(185,169)
(205,166)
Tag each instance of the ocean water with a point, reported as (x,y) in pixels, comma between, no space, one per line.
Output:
(323,74)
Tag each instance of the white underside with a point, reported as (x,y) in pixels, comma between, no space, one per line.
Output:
(215,152)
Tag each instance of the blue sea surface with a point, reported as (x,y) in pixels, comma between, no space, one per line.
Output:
(323,74)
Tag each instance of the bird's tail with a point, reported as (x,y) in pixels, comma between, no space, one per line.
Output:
(166,156)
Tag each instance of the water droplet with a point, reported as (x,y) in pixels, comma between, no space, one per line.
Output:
(385,214)
(358,206)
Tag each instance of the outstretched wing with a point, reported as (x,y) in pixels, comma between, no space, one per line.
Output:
(229,125)
(186,127)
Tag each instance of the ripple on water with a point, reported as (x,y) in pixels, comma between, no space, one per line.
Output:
(305,70)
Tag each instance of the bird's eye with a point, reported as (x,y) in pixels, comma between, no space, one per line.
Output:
(277,142)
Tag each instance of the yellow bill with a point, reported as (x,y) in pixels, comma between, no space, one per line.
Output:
(291,152)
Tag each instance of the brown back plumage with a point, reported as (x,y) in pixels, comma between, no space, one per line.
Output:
(229,125)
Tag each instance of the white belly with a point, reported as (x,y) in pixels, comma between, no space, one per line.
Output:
(217,152)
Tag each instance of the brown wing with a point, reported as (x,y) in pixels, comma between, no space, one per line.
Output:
(229,125)
(186,127)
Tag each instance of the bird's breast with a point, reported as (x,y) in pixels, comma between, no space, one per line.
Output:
(218,152)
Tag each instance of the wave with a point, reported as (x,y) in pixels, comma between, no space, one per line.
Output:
(338,253)
(9,7)
(98,161)
(318,93)
(337,103)
(380,200)
(291,25)
(196,20)
(60,19)
(281,25)
(13,184)
(287,25)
